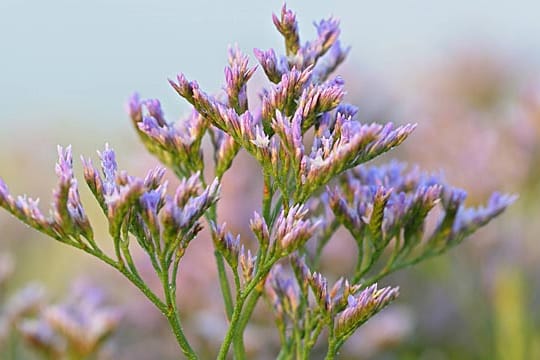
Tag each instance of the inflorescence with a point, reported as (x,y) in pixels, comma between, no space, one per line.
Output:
(312,153)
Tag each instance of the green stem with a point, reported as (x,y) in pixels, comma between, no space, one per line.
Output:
(233,329)
(92,243)
(239,317)
(268,194)
(117,251)
(312,340)
(333,345)
(169,309)
(211,216)
(224,284)
(174,322)
(136,281)
(130,262)
(298,341)
(249,307)
(245,316)
(172,314)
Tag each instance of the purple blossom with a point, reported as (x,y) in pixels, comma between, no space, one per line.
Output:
(64,166)
(229,245)
(273,67)
(287,25)
(30,209)
(260,229)
(6,200)
(247,264)
(292,229)
(317,99)
(134,108)
(470,219)
(109,169)
(327,31)
(94,181)
(304,138)
(41,336)
(284,94)
(181,213)
(83,320)
(154,109)
(25,302)
(237,75)
(284,293)
(409,198)
(177,145)
(329,63)
(361,307)
(68,213)
(319,285)
(225,148)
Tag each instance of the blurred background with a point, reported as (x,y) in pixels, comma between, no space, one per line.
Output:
(467,72)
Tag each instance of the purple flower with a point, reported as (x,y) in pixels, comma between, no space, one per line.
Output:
(237,75)
(154,109)
(470,219)
(283,293)
(293,229)
(287,25)
(134,108)
(260,229)
(362,307)
(229,246)
(84,321)
(109,169)
(273,67)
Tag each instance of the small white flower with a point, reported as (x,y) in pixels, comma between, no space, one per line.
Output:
(261,139)
(317,162)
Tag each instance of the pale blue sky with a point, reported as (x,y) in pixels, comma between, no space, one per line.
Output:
(79,60)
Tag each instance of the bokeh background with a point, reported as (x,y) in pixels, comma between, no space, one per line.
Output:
(467,72)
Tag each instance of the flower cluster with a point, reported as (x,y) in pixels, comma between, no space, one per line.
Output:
(311,149)
(388,205)
(78,327)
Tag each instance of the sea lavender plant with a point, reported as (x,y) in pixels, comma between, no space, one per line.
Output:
(312,154)
(76,328)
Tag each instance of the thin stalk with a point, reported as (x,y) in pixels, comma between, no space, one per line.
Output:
(117,250)
(238,339)
(313,339)
(240,318)
(298,341)
(168,309)
(130,262)
(238,342)
(136,281)
(248,311)
(333,345)
(92,243)
(222,355)
(211,216)
(172,314)
(268,194)
(224,284)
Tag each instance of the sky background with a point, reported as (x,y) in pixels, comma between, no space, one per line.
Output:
(76,62)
